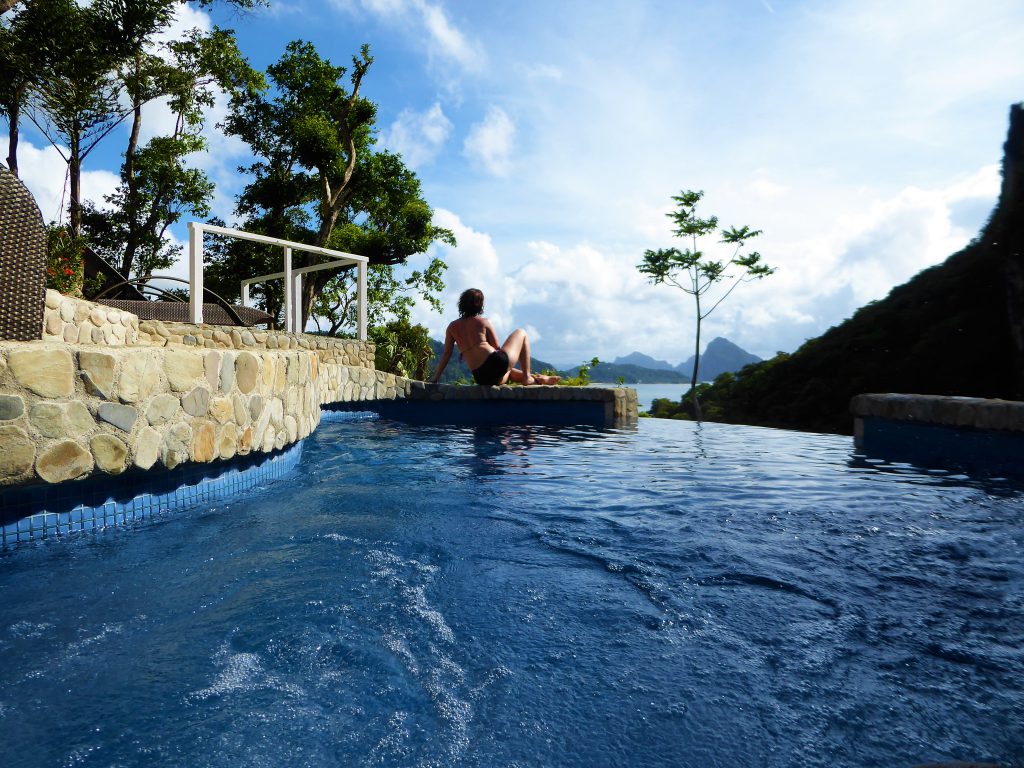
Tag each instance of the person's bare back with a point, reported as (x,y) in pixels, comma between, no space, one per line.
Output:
(478,344)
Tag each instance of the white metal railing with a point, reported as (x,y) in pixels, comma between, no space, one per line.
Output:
(292,277)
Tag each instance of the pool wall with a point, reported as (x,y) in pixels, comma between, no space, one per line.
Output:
(965,433)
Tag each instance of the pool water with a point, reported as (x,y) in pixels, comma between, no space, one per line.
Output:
(674,595)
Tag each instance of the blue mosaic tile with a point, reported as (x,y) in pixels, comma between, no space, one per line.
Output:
(44,511)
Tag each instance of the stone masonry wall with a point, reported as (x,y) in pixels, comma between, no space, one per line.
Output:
(82,322)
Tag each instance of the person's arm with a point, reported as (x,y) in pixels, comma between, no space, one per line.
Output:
(492,337)
(449,343)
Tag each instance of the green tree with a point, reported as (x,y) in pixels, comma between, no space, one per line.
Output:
(317,178)
(710,281)
(65,65)
(157,187)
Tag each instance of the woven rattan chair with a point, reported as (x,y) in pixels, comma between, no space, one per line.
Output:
(22,261)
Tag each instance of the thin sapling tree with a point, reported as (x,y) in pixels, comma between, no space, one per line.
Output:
(710,281)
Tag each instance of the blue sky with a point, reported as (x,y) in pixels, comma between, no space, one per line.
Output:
(862,137)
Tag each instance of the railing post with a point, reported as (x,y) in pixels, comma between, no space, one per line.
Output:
(245,294)
(362,299)
(289,317)
(297,304)
(195,272)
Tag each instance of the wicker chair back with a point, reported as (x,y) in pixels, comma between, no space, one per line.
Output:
(22,261)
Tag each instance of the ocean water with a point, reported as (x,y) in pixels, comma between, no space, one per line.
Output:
(647,393)
(677,595)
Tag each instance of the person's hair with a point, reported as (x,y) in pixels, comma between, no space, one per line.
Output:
(471,303)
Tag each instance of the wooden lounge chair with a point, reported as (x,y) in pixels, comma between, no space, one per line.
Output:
(22,261)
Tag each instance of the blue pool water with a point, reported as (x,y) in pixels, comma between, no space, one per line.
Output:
(677,595)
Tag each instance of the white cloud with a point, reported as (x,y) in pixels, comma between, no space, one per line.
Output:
(448,41)
(445,41)
(490,142)
(418,136)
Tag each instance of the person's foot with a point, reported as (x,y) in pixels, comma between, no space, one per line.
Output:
(540,378)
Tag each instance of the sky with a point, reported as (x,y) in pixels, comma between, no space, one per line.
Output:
(862,137)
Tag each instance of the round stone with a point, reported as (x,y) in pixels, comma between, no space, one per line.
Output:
(247,368)
(53,299)
(227,441)
(11,407)
(162,408)
(196,402)
(204,443)
(19,452)
(183,367)
(66,460)
(109,453)
(139,377)
(46,371)
(147,447)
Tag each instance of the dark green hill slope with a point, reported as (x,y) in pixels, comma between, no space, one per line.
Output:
(954,329)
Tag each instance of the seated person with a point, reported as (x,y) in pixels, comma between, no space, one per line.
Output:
(478,345)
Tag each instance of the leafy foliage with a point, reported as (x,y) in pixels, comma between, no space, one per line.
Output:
(318,180)
(582,375)
(65,266)
(402,349)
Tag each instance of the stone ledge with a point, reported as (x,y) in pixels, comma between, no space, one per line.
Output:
(941,410)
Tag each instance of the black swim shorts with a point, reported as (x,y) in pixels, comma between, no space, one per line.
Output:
(493,369)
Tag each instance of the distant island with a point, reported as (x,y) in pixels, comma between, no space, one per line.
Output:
(721,356)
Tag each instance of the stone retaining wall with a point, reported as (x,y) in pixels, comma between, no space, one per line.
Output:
(77,321)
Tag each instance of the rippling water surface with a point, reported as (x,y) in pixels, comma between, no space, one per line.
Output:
(679,595)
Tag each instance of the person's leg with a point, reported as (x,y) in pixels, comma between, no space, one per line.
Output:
(517,347)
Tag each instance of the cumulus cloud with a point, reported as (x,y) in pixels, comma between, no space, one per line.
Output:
(418,136)
(490,142)
(854,259)
(445,41)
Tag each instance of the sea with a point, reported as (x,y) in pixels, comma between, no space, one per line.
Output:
(647,393)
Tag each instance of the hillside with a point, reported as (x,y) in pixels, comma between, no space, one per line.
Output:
(610,373)
(954,329)
(641,360)
(721,356)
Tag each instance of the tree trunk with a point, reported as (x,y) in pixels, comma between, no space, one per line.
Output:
(13,116)
(75,183)
(132,196)
(696,368)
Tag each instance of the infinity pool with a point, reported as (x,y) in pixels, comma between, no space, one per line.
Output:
(676,595)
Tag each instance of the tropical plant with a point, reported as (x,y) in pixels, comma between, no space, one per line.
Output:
(582,377)
(65,265)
